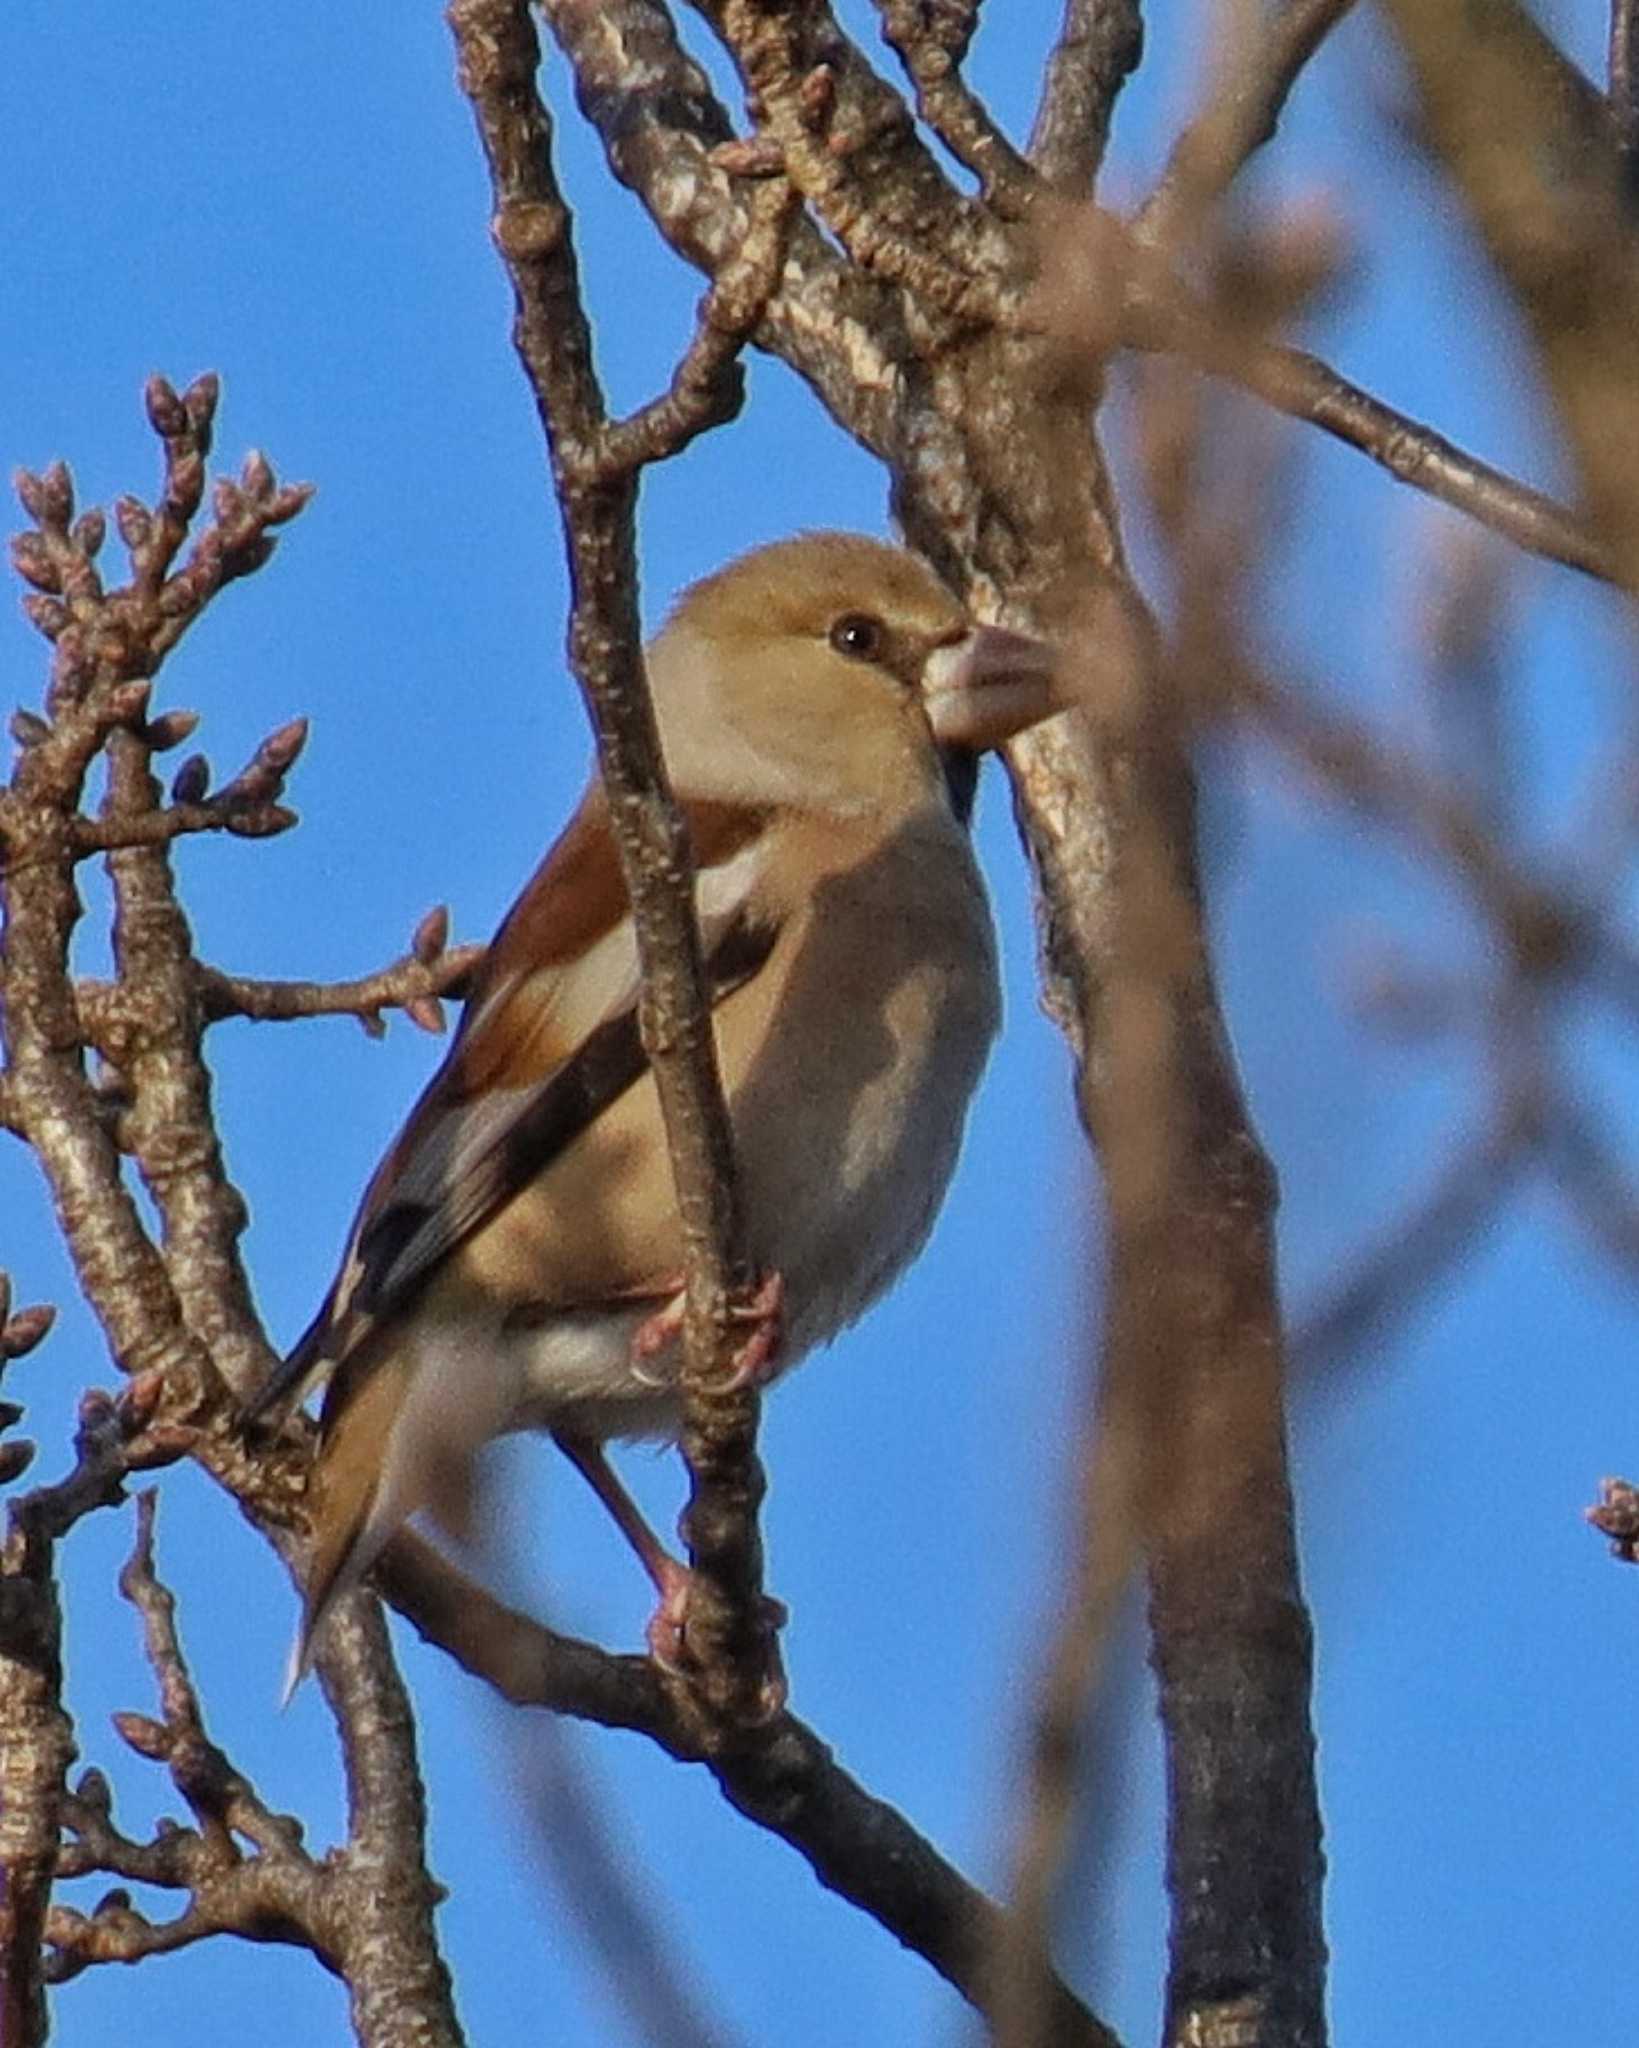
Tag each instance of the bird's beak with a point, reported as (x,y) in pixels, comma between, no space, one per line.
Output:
(990,684)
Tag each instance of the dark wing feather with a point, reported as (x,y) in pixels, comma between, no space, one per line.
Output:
(516,1089)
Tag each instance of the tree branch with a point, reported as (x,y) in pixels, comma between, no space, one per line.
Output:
(930,44)
(851,148)
(1305,388)
(36,1749)
(1239,118)
(277,1894)
(736,1663)
(610,1895)
(36,1734)
(1099,45)
(1527,141)
(779,1774)
(1622,84)
(1094,262)
(413,983)
(666,136)
(1383,1285)
(180,1322)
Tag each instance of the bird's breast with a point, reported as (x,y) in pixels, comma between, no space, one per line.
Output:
(850,1065)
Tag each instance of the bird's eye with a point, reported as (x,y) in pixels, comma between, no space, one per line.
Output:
(859,636)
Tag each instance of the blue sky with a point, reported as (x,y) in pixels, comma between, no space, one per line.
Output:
(298,203)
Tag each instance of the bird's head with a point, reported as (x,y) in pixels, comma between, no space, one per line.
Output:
(830,670)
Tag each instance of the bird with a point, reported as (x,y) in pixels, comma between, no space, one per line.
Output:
(516,1259)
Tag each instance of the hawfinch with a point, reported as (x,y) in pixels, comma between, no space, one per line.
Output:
(515,1262)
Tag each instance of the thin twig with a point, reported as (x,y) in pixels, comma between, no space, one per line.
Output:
(930,43)
(666,134)
(1239,118)
(614,1908)
(851,147)
(1109,1549)
(1596,1187)
(1349,1324)
(1163,313)
(279,1893)
(707,387)
(1305,388)
(408,984)
(113,1438)
(1547,933)
(1527,143)
(160,828)
(1098,47)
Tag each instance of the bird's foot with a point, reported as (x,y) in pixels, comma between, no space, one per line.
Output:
(753,1364)
(668,1624)
(663,1327)
(667,1636)
(764,1314)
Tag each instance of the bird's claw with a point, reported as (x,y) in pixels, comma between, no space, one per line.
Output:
(667,1639)
(754,1362)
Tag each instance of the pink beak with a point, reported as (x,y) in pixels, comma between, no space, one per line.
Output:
(989,685)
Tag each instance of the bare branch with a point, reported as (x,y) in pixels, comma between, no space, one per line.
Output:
(930,43)
(1599,1192)
(1240,117)
(1198,1370)
(729,1636)
(1305,388)
(664,134)
(36,1735)
(1109,1549)
(160,828)
(1528,143)
(178,1321)
(277,1894)
(707,387)
(1099,45)
(107,645)
(1099,264)
(409,984)
(611,1900)
(1544,933)
(245,807)
(851,148)
(778,1773)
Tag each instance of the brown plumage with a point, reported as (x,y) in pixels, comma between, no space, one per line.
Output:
(517,1250)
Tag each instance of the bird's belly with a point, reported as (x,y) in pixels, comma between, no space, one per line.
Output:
(848,1116)
(579,1371)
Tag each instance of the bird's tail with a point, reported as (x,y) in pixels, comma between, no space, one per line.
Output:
(355,1502)
(288,1382)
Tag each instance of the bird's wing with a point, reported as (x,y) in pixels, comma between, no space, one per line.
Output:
(549,1040)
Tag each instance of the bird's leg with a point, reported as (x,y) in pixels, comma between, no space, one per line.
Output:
(670,1577)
